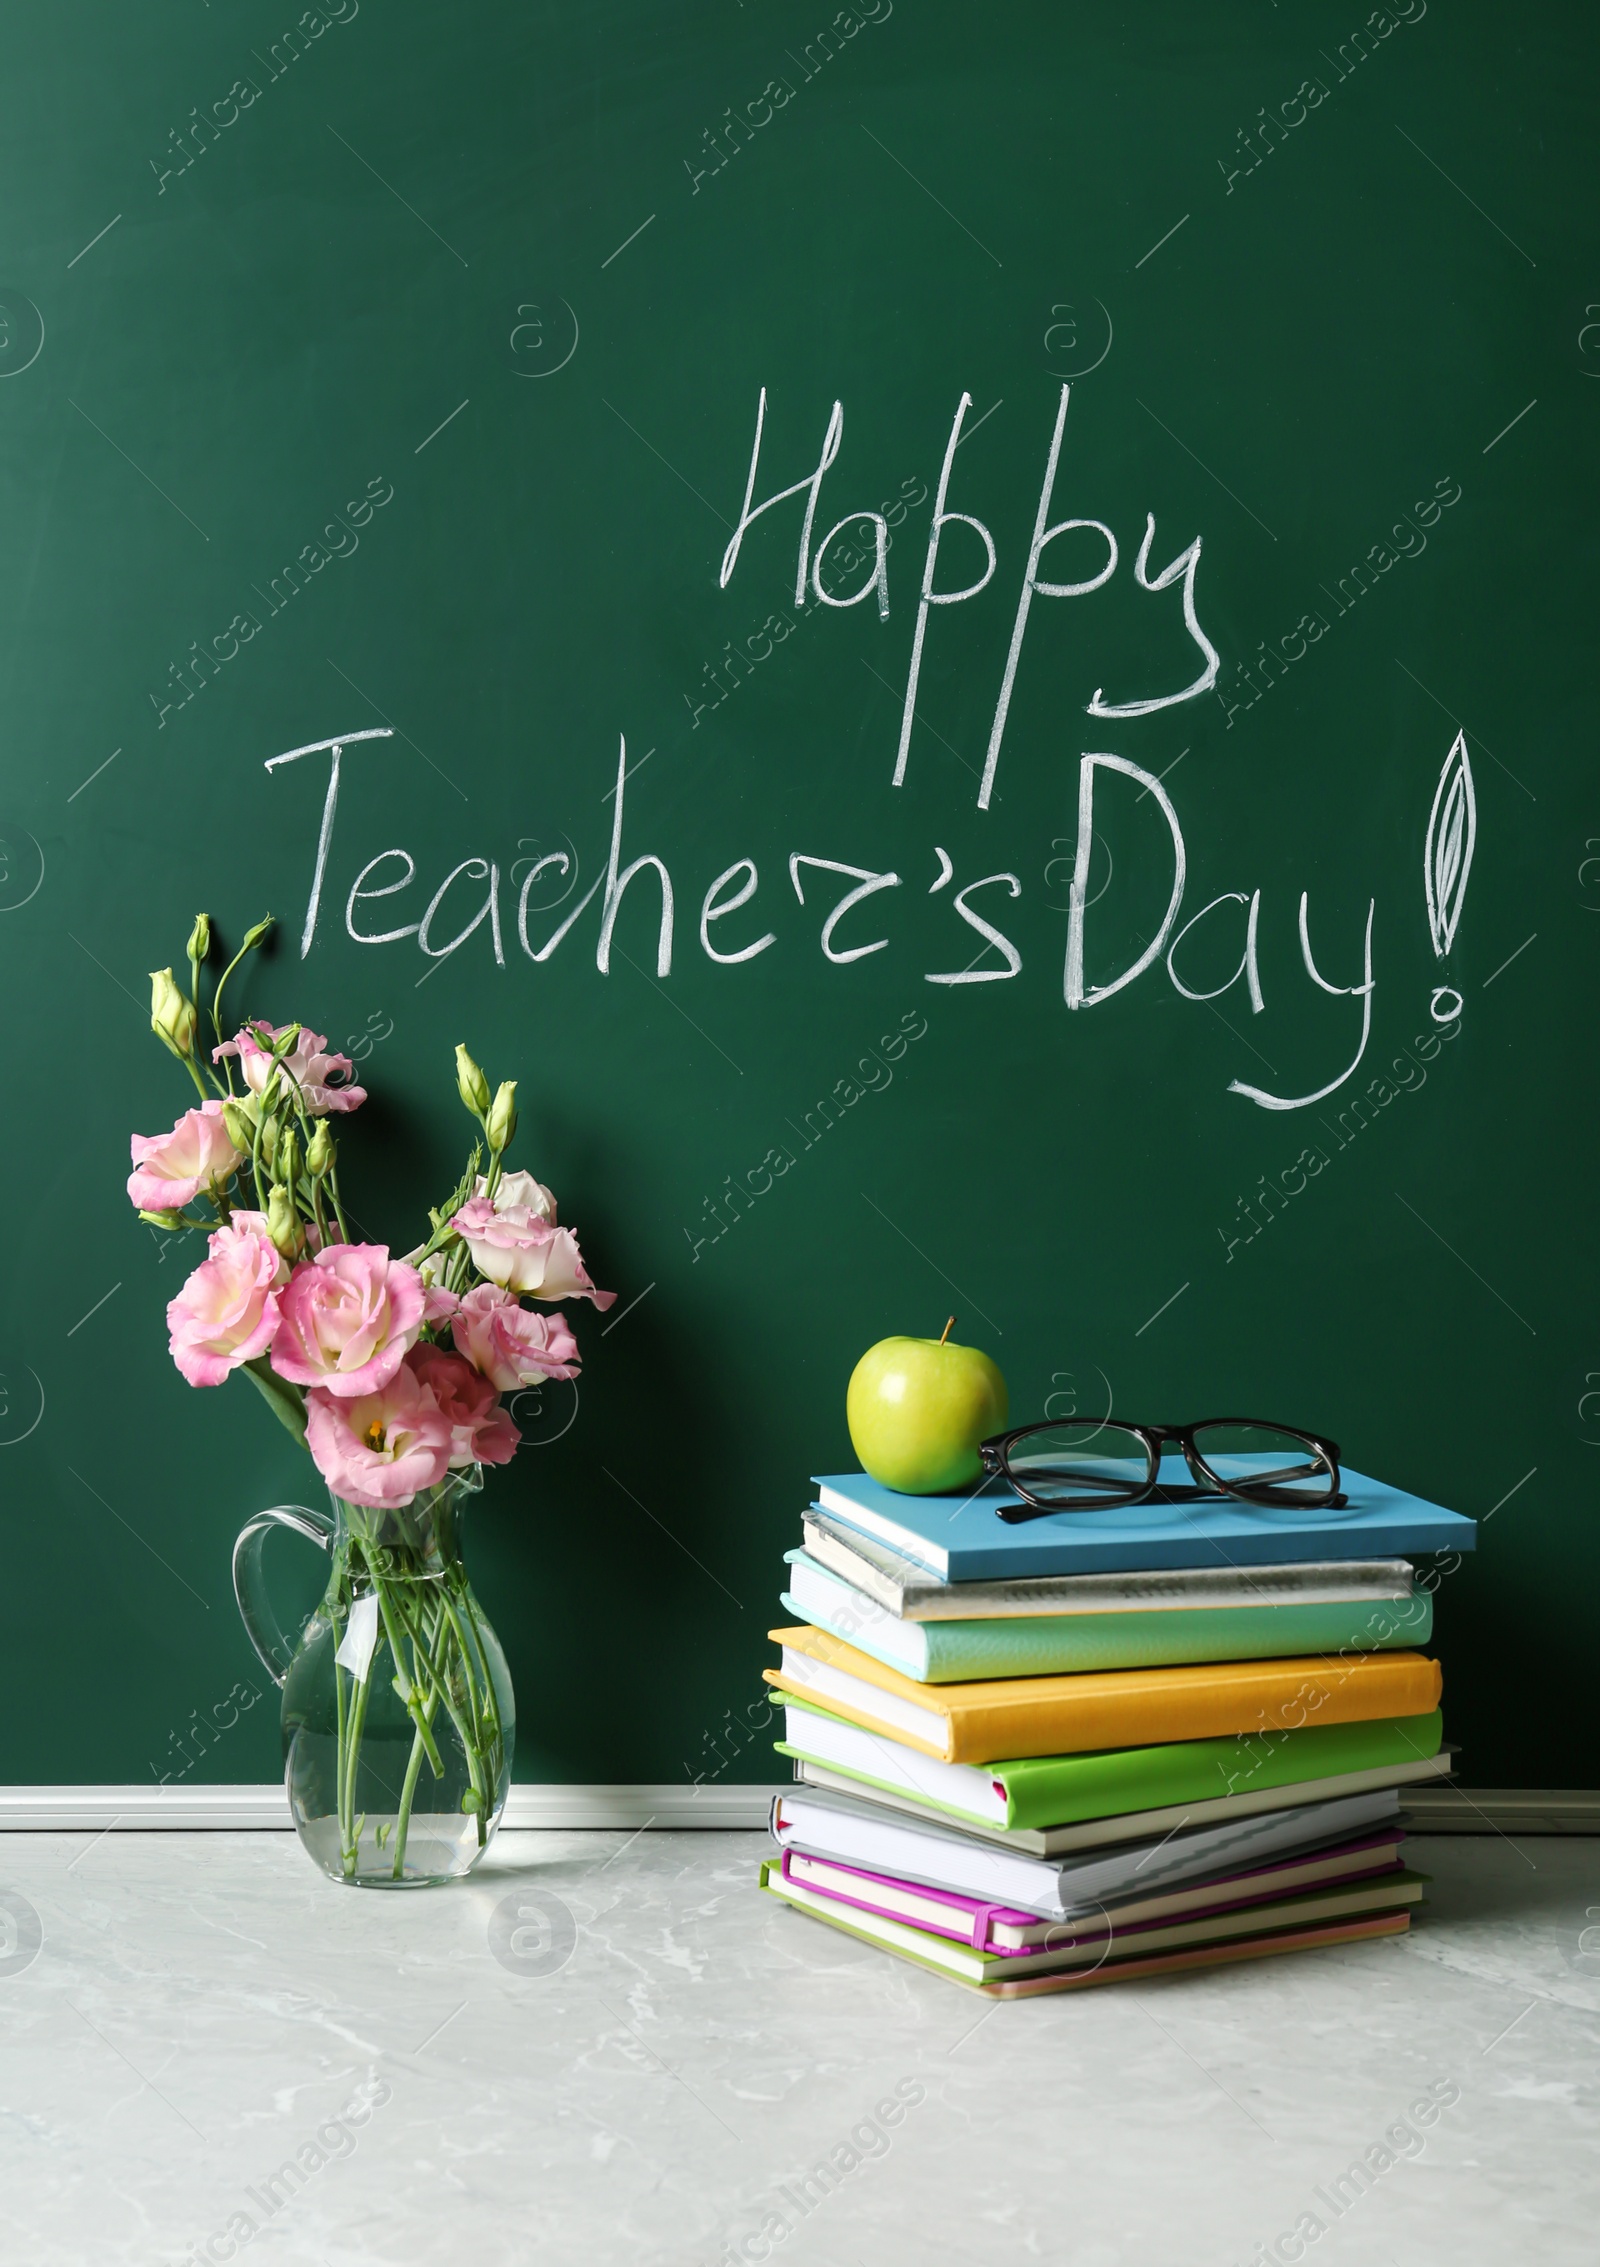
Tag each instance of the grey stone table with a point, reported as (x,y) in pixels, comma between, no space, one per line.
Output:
(606,2048)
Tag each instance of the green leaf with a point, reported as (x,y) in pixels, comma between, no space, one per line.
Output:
(285,1400)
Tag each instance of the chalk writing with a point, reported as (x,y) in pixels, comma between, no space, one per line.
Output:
(472,889)
(1181,570)
(1447,855)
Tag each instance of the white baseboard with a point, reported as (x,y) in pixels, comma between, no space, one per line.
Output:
(144,1810)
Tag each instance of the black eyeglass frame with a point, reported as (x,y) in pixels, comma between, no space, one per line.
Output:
(996,1455)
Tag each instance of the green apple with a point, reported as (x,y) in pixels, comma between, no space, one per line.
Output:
(917,1409)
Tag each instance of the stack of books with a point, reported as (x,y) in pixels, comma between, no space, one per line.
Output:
(1109,1744)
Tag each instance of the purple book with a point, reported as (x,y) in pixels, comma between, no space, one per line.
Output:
(1001,1929)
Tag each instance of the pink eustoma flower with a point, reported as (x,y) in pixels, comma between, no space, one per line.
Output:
(379,1449)
(348,1319)
(308,1066)
(510,1345)
(171,1169)
(521,1251)
(227,1312)
(481,1432)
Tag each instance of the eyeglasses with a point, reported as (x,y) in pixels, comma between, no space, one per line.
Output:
(1086,1465)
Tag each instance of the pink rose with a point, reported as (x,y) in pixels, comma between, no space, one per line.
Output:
(307,1065)
(227,1312)
(170,1170)
(480,1430)
(511,1346)
(378,1449)
(348,1318)
(521,1251)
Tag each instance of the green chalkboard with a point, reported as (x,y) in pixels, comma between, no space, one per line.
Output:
(395,371)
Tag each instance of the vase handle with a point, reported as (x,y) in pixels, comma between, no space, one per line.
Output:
(262,1626)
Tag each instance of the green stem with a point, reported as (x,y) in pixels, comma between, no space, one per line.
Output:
(255,1161)
(338,1208)
(469,1669)
(483,1656)
(339,1674)
(407,1796)
(466,1732)
(216,999)
(357,1724)
(439,1676)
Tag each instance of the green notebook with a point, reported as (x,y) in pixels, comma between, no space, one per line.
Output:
(1042,1645)
(1058,1790)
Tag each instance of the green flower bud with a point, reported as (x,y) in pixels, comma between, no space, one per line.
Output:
(320,1155)
(172,1017)
(471,1084)
(171,1221)
(283,1224)
(501,1125)
(239,1119)
(257,935)
(200,938)
(269,1141)
(286,1165)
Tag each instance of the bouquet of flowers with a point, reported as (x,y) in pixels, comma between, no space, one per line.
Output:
(391,1372)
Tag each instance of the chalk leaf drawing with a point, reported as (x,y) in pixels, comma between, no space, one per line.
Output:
(1452,836)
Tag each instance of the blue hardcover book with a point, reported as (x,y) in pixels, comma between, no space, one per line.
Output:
(960,1539)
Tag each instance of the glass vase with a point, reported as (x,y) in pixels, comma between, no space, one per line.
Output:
(398,1715)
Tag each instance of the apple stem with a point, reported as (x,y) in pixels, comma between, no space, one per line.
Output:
(949,1326)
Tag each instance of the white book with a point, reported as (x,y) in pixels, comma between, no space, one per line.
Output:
(824,1826)
(911,1593)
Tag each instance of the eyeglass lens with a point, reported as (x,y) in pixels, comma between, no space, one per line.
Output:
(1261,1460)
(1080,1462)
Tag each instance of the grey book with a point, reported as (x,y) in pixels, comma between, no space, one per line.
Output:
(1130,1826)
(915,1595)
(941,1857)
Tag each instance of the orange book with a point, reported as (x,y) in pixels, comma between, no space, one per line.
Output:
(1006,1718)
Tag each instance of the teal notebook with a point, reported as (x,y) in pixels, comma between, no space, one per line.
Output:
(953,1652)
